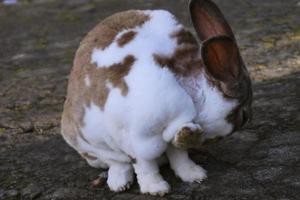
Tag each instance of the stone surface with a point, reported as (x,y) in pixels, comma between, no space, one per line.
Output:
(38,42)
(31,191)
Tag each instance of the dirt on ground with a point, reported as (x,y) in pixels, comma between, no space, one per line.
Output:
(38,39)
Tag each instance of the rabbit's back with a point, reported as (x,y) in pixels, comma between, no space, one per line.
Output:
(123,91)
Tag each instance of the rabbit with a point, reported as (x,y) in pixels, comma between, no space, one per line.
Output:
(142,86)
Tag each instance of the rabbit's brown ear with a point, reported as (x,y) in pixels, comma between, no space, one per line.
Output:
(223,62)
(221,58)
(208,20)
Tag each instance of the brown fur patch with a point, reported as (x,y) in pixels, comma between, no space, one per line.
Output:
(186,58)
(126,38)
(184,37)
(98,92)
(105,32)
(187,138)
(80,95)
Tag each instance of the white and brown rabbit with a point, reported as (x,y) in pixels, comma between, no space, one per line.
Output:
(141,87)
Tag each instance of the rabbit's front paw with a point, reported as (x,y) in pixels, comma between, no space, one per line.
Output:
(189,136)
(120,177)
(192,173)
(154,185)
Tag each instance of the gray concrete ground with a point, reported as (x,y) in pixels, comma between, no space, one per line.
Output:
(38,39)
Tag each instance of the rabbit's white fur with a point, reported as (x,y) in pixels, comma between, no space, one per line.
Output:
(153,37)
(211,107)
(141,124)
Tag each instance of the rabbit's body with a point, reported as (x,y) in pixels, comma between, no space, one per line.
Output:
(138,83)
(140,114)
(132,123)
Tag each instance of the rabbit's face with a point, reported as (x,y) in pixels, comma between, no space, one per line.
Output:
(242,114)
(224,67)
(226,72)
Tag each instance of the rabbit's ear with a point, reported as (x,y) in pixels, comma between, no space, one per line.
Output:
(208,20)
(221,58)
(223,63)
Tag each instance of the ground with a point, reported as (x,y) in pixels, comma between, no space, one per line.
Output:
(37,45)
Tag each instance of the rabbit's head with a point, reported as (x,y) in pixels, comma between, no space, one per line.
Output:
(223,64)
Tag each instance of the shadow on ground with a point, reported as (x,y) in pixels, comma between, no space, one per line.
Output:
(38,42)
